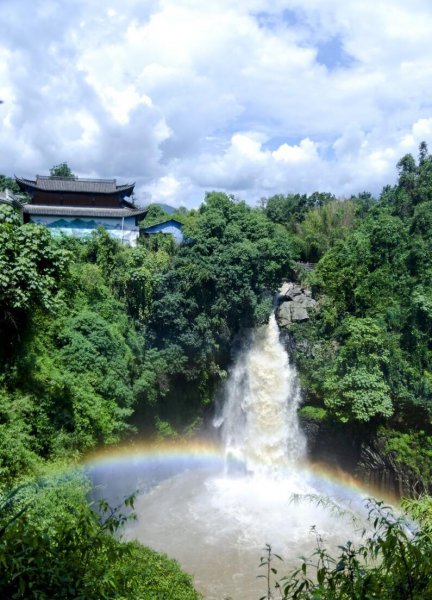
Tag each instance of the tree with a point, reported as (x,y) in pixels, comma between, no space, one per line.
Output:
(8,183)
(10,215)
(31,267)
(323,226)
(155,214)
(292,208)
(61,170)
(217,286)
(414,184)
(356,386)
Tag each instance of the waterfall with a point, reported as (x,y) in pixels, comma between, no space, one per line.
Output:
(215,522)
(259,419)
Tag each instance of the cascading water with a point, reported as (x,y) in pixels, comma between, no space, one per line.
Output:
(259,418)
(216,522)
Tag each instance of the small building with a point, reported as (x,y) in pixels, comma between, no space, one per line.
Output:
(77,206)
(171,227)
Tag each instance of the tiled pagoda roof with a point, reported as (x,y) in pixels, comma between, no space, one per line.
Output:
(80,211)
(75,184)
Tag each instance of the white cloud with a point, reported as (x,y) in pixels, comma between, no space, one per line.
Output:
(304,152)
(184,96)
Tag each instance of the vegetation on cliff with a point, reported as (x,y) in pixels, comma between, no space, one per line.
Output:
(366,357)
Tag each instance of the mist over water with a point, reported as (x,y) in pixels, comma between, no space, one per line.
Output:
(215,520)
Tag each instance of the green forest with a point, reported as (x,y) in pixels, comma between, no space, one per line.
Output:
(102,343)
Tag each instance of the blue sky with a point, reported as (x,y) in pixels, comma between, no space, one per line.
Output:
(252,97)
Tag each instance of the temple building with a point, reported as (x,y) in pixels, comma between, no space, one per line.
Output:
(77,206)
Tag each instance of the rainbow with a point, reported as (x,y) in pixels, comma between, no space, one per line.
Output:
(170,457)
(197,449)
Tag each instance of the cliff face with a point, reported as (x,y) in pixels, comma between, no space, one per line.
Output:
(361,452)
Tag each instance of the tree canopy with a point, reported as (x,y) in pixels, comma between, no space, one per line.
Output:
(61,170)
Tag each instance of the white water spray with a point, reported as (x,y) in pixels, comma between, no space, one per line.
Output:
(260,424)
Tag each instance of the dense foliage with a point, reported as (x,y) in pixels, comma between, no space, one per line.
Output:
(8,183)
(69,353)
(93,331)
(366,355)
(218,285)
(54,544)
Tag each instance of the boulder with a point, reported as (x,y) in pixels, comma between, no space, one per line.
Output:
(294,303)
(283,314)
(305,301)
(298,311)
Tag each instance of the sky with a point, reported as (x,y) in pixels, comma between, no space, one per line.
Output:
(251,97)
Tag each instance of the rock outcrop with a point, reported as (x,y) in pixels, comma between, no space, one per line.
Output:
(294,304)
